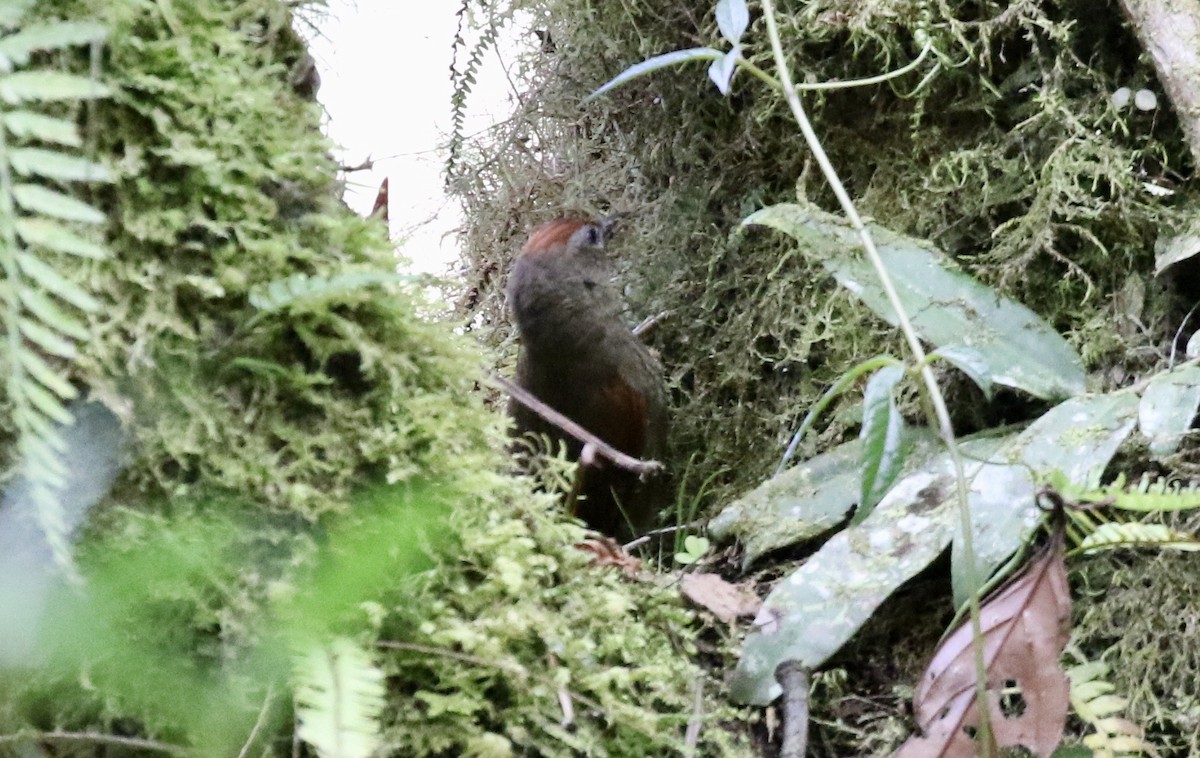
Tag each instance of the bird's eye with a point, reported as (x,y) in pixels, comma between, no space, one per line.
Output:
(593,235)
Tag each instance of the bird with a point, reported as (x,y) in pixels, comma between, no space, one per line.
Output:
(578,356)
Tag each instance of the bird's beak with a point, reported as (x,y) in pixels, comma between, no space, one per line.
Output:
(609,223)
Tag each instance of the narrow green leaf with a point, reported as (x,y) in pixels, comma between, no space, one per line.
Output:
(49,36)
(654,64)
(38,199)
(31,125)
(51,315)
(46,403)
(54,236)
(56,283)
(733,17)
(43,456)
(49,86)
(36,161)
(47,340)
(722,69)
(883,454)
(40,370)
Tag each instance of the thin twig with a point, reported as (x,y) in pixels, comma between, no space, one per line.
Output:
(367,163)
(526,398)
(656,532)
(262,718)
(649,323)
(94,737)
(793,677)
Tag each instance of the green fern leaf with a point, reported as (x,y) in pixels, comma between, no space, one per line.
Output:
(48,377)
(304,289)
(31,125)
(340,699)
(41,233)
(48,86)
(47,339)
(49,36)
(37,199)
(1115,534)
(35,294)
(1093,701)
(56,283)
(51,315)
(36,161)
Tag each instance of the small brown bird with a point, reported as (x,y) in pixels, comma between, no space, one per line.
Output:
(579,357)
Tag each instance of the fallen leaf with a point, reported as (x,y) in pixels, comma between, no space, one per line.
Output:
(1025,628)
(608,552)
(725,600)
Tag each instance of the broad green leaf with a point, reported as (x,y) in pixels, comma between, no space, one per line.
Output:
(808,499)
(1076,438)
(821,605)
(1168,406)
(654,64)
(946,307)
(797,504)
(48,86)
(733,17)
(53,236)
(38,199)
(721,70)
(56,283)
(35,161)
(49,36)
(971,362)
(883,453)
(48,312)
(30,125)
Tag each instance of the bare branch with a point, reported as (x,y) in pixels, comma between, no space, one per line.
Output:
(527,399)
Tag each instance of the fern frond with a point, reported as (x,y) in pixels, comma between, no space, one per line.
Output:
(49,36)
(1093,701)
(304,289)
(1115,534)
(42,303)
(1149,495)
(339,700)
(463,81)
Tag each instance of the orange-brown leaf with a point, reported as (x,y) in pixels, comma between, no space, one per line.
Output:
(1025,627)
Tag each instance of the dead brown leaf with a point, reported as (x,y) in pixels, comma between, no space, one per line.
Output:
(726,601)
(1025,627)
(608,552)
